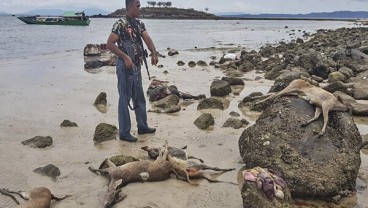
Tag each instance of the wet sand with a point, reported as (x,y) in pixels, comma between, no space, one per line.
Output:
(37,95)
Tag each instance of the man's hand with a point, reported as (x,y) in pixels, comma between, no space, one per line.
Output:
(128,62)
(113,38)
(154,59)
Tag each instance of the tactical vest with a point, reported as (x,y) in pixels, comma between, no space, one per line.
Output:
(130,41)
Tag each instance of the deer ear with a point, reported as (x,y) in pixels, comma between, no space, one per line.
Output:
(118,183)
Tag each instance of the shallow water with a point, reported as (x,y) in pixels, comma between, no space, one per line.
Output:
(19,40)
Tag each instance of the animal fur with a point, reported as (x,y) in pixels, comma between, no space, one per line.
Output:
(323,100)
(193,170)
(138,171)
(173,151)
(184,167)
(40,197)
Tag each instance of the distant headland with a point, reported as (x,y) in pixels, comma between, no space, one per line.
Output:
(167,11)
(180,13)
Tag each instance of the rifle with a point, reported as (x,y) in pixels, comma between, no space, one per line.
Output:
(144,51)
(145,55)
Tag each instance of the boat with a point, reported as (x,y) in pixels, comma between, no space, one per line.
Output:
(68,18)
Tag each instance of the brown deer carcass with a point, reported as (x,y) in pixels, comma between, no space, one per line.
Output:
(137,171)
(322,99)
(40,197)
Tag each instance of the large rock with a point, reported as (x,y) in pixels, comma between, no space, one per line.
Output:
(101,99)
(233,122)
(172,52)
(284,80)
(347,72)
(68,123)
(92,50)
(210,103)
(339,86)
(233,80)
(314,62)
(350,55)
(49,170)
(101,102)
(359,109)
(220,88)
(38,142)
(167,102)
(351,58)
(118,160)
(204,121)
(361,90)
(201,63)
(336,76)
(104,132)
(93,64)
(96,56)
(312,167)
(267,51)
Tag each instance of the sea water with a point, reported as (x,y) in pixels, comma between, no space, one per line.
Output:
(21,41)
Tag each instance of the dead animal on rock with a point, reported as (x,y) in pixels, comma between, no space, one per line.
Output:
(40,197)
(173,151)
(137,171)
(322,99)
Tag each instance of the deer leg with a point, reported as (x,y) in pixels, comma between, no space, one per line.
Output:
(178,176)
(163,154)
(192,157)
(325,120)
(265,97)
(6,192)
(317,113)
(59,198)
(94,170)
(188,173)
(23,194)
(206,167)
(196,173)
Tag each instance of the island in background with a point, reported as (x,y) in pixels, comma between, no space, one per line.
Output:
(180,13)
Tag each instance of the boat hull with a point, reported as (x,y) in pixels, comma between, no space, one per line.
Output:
(33,20)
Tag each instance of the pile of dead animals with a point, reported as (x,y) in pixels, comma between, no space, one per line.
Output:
(163,162)
(167,161)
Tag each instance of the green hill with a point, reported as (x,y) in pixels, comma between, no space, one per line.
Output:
(168,13)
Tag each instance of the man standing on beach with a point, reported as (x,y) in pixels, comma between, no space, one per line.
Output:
(125,41)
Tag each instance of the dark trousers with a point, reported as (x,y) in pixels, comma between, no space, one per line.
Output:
(130,89)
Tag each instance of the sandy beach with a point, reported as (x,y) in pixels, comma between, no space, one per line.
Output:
(38,94)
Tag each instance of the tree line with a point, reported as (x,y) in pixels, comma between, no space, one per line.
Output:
(159,4)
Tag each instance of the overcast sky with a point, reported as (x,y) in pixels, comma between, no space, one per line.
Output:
(214,6)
